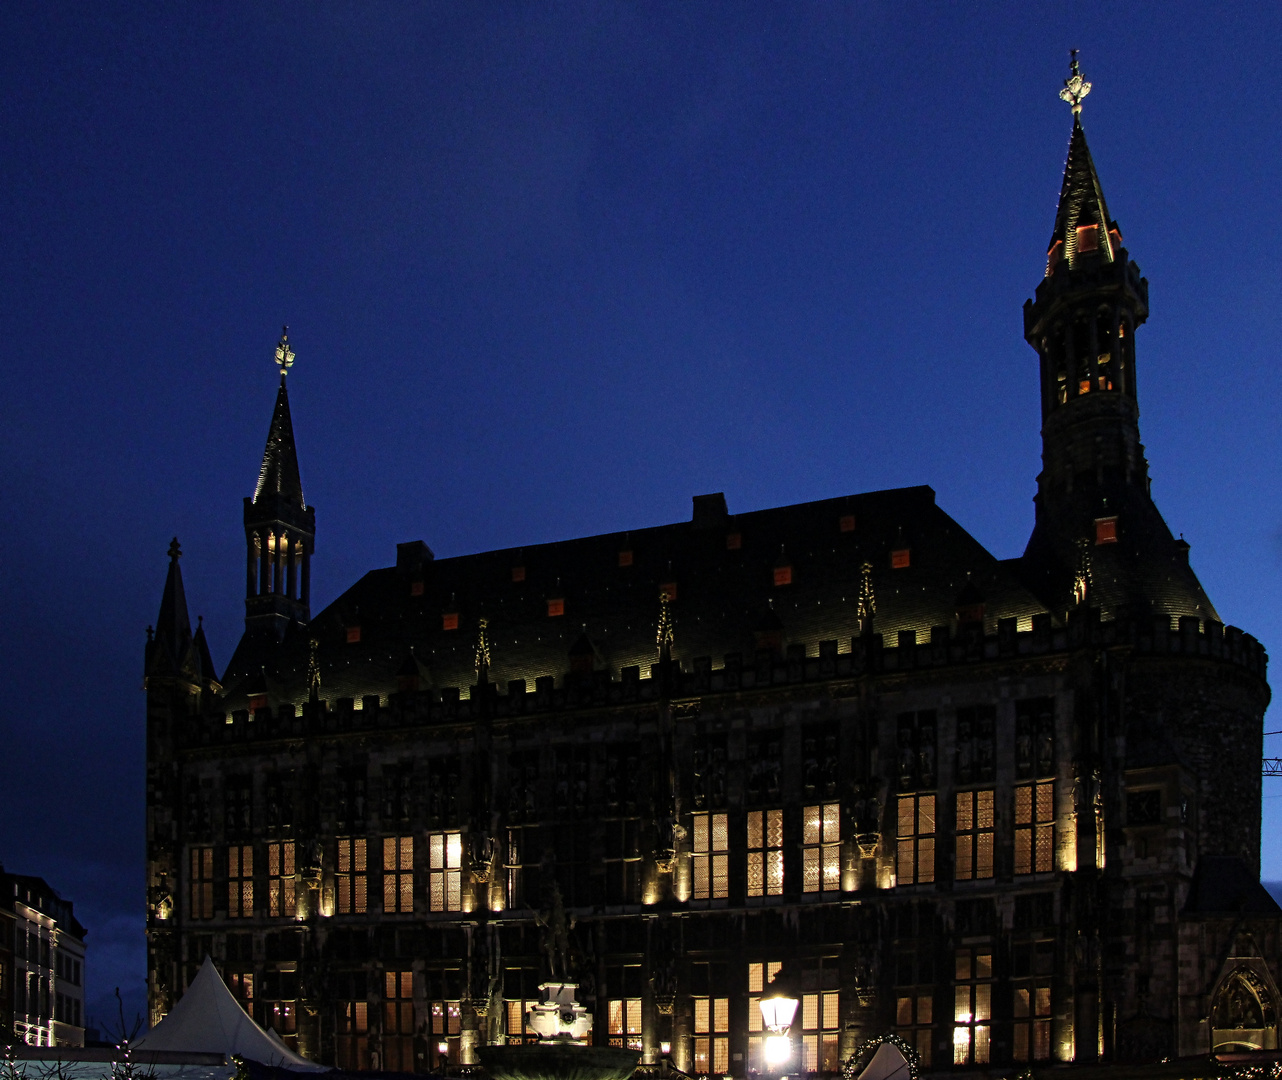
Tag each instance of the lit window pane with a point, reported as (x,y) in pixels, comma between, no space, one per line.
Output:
(965,811)
(832,823)
(720,832)
(926,815)
(756,832)
(1023,805)
(811,825)
(774,873)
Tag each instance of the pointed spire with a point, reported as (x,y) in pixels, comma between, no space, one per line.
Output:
(1083,228)
(279,476)
(200,649)
(166,653)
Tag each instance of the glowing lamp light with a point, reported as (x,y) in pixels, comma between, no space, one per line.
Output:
(777,1012)
(665,1048)
(778,1050)
(442,1048)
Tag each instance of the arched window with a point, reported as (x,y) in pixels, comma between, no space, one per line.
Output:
(1243,1014)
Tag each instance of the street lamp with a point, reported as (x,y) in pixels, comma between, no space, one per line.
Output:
(778,1008)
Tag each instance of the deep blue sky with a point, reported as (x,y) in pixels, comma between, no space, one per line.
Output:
(552,269)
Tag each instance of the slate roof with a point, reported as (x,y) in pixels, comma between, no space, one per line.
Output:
(723,596)
(1081,202)
(1222,885)
(279,476)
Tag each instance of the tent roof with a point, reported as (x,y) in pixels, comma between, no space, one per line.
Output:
(208,1018)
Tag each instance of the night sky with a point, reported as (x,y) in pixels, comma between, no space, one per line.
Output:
(552,269)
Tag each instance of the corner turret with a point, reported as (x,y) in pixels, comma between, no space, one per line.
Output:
(280,527)
(1093,490)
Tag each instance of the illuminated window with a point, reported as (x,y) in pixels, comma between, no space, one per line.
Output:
(447,1028)
(901,558)
(1106,530)
(622,861)
(914,1015)
(669,589)
(765,852)
(518,573)
(280,880)
(257,701)
(973,1007)
(350,881)
(623,1022)
(449,620)
(709,861)
(846,523)
(734,541)
(1087,238)
(353,634)
(556,607)
(821,848)
(241,984)
(240,881)
(711,1035)
(416,588)
(444,876)
(200,890)
(759,976)
(916,848)
(819,1024)
(398,1021)
(783,575)
(351,1041)
(1035,827)
(974,835)
(1032,1012)
(398,874)
(625,557)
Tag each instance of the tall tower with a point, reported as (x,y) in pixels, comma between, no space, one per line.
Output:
(1098,531)
(279,525)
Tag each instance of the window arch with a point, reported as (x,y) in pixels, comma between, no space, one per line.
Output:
(1243,1014)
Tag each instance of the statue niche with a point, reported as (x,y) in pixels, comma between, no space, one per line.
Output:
(1243,1014)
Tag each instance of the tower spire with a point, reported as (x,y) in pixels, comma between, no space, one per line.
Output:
(279,525)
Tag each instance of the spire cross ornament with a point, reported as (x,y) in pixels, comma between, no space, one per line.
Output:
(1075,87)
(284,354)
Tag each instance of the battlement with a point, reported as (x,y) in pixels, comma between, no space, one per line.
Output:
(865,657)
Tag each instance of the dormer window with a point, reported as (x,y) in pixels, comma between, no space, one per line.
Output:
(416,588)
(783,575)
(901,559)
(258,701)
(353,635)
(518,573)
(625,557)
(846,523)
(1087,239)
(669,589)
(449,620)
(556,607)
(1105,530)
(734,541)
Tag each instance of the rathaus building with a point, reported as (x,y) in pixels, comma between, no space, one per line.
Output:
(1007,809)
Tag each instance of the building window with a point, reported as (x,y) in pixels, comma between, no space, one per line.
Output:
(625,557)
(819,1026)
(280,988)
(353,635)
(622,862)
(734,541)
(783,575)
(711,1035)
(351,1044)
(916,850)
(1105,529)
(846,523)
(821,848)
(447,1027)
(765,852)
(556,607)
(350,880)
(240,881)
(1035,827)
(398,873)
(914,1015)
(974,835)
(444,873)
(281,902)
(901,558)
(709,861)
(416,588)
(1032,1012)
(624,1022)
(759,976)
(518,573)
(973,997)
(449,620)
(241,984)
(201,883)
(512,864)
(1087,238)
(398,1021)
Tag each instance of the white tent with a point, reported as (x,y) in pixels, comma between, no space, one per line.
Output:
(887,1063)
(208,1019)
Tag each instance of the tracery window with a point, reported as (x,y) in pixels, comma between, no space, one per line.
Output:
(709,859)
(974,834)
(240,881)
(915,855)
(821,848)
(765,852)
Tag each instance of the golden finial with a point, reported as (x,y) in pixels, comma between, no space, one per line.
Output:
(1075,87)
(284,354)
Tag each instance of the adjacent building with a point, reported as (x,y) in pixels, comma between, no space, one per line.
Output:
(1007,809)
(42,964)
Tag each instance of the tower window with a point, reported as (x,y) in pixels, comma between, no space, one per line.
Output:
(1087,238)
(1106,530)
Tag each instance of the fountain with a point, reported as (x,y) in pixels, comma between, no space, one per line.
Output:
(560,1022)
